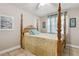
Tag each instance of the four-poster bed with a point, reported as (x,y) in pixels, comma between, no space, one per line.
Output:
(44,44)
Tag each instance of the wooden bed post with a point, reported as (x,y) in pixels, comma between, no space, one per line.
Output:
(21,30)
(37,24)
(65,29)
(59,43)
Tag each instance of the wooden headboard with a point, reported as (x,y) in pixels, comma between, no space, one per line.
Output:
(28,28)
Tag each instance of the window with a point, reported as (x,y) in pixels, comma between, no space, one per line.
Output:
(52,23)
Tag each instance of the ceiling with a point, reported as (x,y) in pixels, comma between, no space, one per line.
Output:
(49,8)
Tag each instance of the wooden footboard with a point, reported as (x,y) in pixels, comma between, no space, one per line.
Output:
(40,46)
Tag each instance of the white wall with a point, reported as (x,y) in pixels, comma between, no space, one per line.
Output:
(74,32)
(11,38)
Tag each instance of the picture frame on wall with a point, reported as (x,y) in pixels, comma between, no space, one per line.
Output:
(43,24)
(6,22)
(72,22)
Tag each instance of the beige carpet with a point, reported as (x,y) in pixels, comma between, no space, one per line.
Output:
(21,52)
(69,51)
(18,52)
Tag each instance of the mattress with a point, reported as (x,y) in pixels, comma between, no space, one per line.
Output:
(44,35)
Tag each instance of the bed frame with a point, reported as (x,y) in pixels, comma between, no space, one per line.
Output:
(60,44)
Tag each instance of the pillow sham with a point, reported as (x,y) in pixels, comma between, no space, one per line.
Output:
(34,32)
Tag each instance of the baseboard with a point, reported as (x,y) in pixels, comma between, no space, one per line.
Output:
(9,49)
(74,46)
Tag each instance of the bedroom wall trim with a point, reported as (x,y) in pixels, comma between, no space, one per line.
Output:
(74,46)
(9,49)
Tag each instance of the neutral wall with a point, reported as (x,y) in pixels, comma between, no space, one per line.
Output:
(74,32)
(11,38)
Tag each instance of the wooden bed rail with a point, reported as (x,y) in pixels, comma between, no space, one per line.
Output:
(59,43)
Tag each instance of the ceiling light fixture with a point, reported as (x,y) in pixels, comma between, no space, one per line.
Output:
(42,4)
